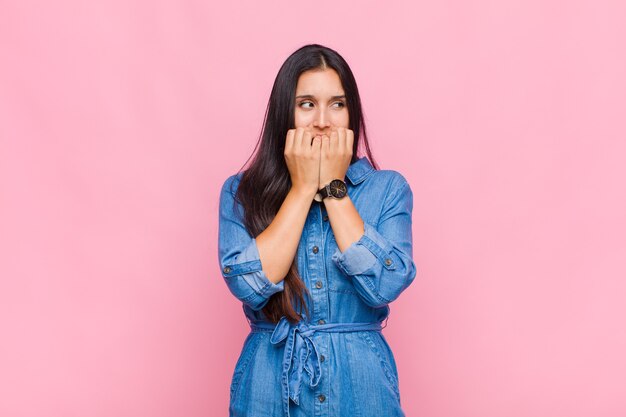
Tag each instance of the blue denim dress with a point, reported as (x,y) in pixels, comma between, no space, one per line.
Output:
(336,362)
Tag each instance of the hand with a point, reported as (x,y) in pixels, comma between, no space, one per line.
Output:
(302,155)
(336,154)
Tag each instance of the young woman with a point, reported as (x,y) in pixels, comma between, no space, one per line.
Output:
(315,242)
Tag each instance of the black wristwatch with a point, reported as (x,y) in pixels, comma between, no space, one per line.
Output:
(335,189)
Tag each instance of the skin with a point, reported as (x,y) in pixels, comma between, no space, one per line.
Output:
(317,150)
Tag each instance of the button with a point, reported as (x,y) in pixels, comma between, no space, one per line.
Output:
(387,261)
(315,249)
(227,269)
(318,284)
(322,358)
(321,321)
(325,217)
(322,398)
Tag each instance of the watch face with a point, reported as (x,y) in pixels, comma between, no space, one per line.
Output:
(338,188)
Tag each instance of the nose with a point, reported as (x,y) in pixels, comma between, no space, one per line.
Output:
(321,119)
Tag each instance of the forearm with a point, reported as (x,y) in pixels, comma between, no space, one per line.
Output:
(380,264)
(345,221)
(278,243)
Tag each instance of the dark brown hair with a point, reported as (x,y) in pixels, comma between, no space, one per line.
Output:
(265,184)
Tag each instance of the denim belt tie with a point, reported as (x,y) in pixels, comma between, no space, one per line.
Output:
(301,353)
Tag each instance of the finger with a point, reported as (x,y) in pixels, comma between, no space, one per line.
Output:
(297,143)
(307,140)
(325,151)
(316,145)
(342,140)
(334,142)
(289,140)
(350,140)
(318,135)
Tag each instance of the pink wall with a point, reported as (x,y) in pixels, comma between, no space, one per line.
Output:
(119,120)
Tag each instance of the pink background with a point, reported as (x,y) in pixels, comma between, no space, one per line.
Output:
(119,121)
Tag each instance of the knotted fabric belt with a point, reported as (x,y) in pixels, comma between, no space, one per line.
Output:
(301,353)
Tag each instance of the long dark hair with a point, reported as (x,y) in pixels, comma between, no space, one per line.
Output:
(265,184)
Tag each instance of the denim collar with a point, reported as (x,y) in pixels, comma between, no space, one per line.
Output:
(358,170)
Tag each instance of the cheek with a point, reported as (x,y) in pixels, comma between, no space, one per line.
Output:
(302,119)
(342,119)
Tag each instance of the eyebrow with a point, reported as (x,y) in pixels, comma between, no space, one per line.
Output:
(310,96)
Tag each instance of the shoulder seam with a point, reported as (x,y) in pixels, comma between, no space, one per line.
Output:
(228,183)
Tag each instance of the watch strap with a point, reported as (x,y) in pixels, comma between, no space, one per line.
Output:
(323,192)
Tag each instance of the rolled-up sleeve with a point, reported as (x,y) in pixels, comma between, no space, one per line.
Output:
(239,255)
(380,264)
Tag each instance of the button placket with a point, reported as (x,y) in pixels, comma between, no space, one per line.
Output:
(317,282)
(315,269)
(323,389)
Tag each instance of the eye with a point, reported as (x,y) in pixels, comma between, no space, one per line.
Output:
(305,102)
(341,104)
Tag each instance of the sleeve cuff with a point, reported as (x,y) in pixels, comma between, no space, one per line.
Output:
(248,264)
(364,254)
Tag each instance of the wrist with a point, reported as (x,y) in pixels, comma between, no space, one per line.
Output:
(325,182)
(304,191)
(336,188)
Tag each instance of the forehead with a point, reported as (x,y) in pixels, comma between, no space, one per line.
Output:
(319,83)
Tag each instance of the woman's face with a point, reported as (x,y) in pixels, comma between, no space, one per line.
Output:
(320,102)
